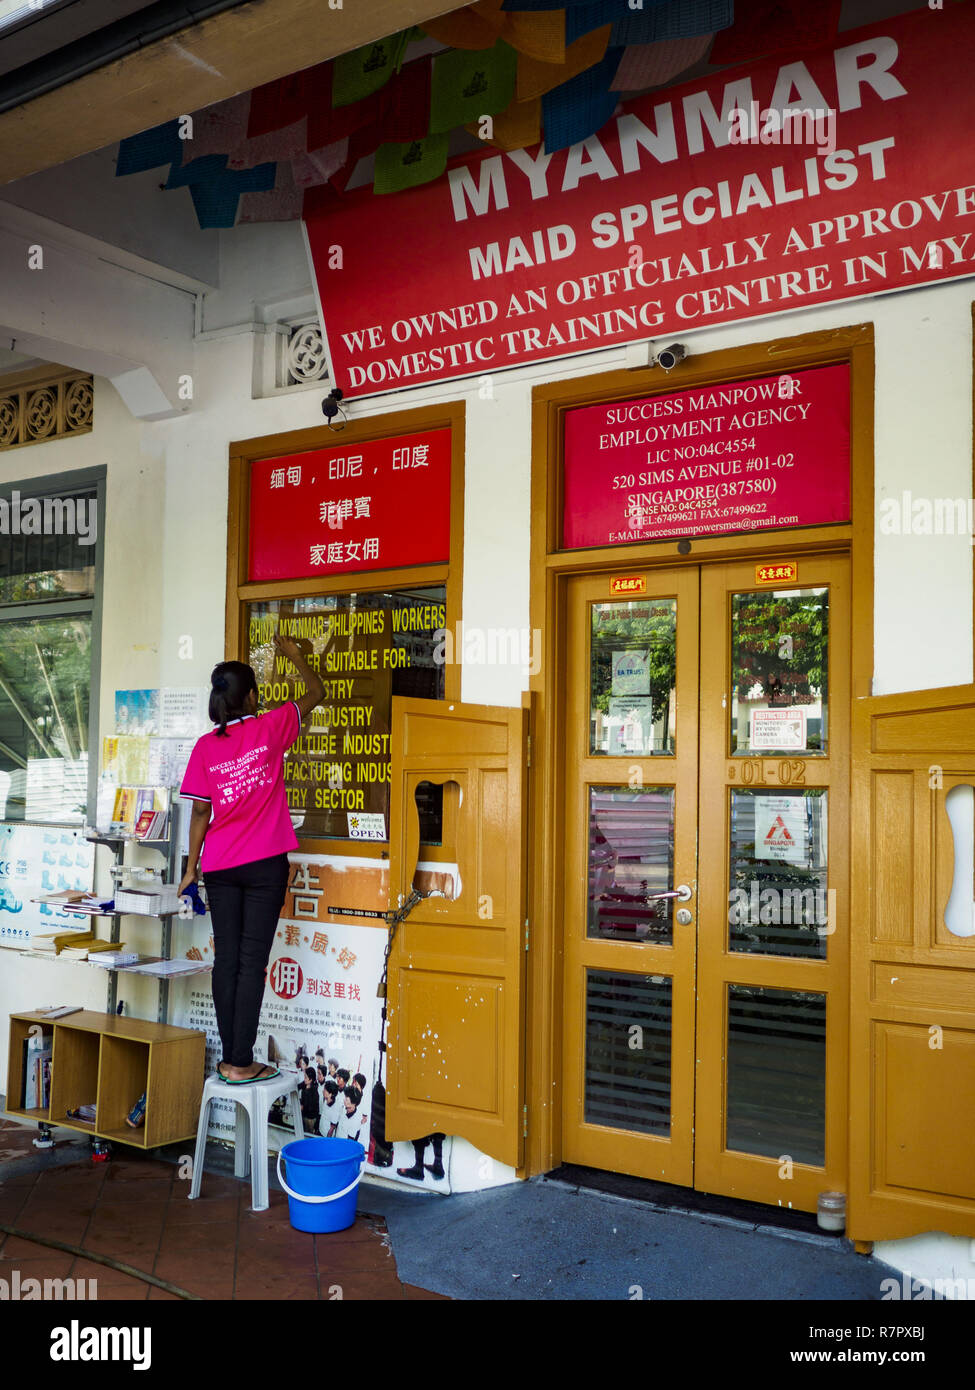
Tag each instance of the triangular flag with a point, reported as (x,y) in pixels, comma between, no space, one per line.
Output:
(676,19)
(579,108)
(407,114)
(467,85)
(535,78)
(220,128)
(160,145)
(327,124)
(286,100)
(541,36)
(282,203)
(318,166)
(400,166)
(286,143)
(776,26)
(474,26)
(517,128)
(646,65)
(365,70)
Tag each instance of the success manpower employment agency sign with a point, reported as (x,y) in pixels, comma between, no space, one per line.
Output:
(675,216)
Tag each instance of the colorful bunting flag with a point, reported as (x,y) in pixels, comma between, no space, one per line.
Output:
(327,124)
(286,143)
(400,166)
(578,108)
(282,203)
(221,127)
(515,129)
(365,70)
(161,145)
(776,26)
(646,65)
(540,36)
(286,100)
(592,14)
(535,78)
(467,85)
(473,27)
(675,19)
(216,190)
(407,115)
(318,166)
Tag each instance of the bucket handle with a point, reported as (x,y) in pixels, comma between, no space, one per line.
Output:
(332,1197)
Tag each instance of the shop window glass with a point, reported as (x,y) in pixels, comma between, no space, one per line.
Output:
(60,562)
(368,647)
(631,858)
(779,903)
(45,678)
(779,672)
(776,1103)
(632,674)
(960,908)
(628,1033)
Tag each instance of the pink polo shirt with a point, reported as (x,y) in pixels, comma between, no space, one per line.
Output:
(242,776)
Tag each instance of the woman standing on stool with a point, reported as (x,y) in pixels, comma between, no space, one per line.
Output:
(236,772)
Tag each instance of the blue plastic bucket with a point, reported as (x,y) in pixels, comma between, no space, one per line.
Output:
(324,1182)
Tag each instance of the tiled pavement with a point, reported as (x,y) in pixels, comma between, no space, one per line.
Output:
(135,1210)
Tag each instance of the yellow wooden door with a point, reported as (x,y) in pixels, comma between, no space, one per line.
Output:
(630,831)
(455,981)
(773,939)
(912,1061)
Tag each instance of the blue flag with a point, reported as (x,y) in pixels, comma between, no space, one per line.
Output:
(582,105)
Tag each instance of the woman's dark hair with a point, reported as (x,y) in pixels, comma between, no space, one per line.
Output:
(331,1087)
(310,1073)
(232,682)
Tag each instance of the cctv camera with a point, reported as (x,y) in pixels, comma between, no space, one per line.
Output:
(330,405)
(669,357)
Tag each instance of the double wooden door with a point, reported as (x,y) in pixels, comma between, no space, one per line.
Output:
(706,888)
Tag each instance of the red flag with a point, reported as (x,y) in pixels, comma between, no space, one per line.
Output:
(775,26)
(408,113)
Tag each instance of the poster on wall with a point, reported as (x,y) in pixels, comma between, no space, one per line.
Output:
(36,860)
(374,505)
(777,729)
(321,1019)
(690,207)
(739,456)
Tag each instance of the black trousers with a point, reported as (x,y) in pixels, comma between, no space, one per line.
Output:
(245,903)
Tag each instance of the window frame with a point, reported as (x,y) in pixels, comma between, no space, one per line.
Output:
(241,591)
(62,485)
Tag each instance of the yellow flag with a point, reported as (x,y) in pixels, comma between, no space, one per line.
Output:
(536,78)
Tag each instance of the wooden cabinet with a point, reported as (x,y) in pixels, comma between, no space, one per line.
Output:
(112,1061)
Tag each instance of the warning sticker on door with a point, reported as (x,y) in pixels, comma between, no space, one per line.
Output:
(780,828)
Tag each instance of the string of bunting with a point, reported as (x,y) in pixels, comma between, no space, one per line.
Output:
(511,72)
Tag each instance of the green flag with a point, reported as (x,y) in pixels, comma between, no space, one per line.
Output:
(358,74)
(468,84)
(406,165)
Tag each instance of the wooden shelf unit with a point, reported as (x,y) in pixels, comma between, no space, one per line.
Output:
(111,1060)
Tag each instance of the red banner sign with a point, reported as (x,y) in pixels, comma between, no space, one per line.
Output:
(679,214)
(740,456)
(371,506)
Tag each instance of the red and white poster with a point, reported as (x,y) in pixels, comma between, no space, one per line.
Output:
(740,456)
(369,506)
(677,215)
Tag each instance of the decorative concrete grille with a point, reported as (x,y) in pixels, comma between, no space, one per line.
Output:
(304,360)
(48,407)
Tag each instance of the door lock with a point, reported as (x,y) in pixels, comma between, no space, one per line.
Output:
(685,916)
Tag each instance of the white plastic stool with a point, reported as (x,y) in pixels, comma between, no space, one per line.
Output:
(253,1101)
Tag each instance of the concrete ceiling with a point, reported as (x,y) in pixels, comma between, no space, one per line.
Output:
(230,52)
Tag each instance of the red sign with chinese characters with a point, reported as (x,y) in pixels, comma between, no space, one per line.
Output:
(369,506)
(739,456)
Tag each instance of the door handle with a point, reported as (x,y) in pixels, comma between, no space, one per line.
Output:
(682,894)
